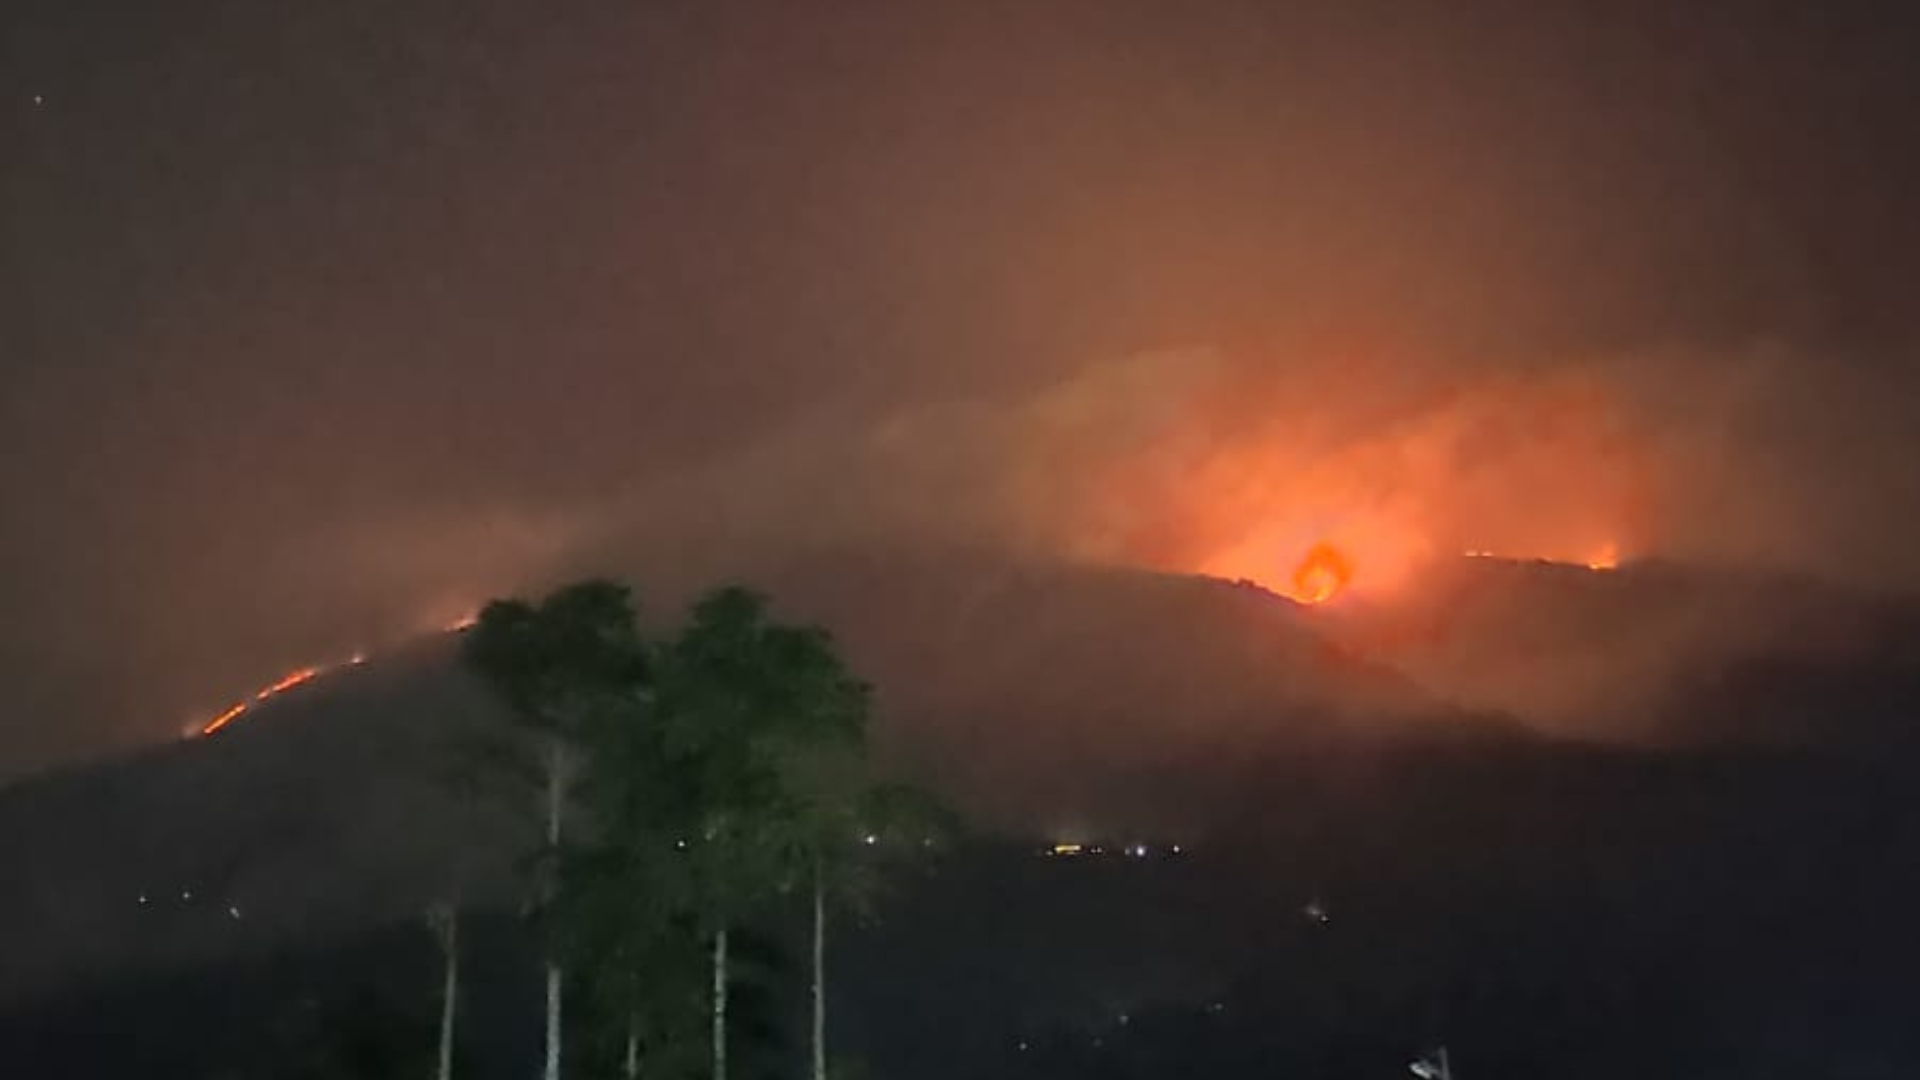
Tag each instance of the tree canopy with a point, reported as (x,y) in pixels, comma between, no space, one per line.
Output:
(712,773)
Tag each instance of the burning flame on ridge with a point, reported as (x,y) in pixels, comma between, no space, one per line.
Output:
(1322,574)
(286,682)
(224,719)
(279,686)
(301,676)
(1329,568)
(1604,558)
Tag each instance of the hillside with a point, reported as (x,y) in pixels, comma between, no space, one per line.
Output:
(1717,887)
(1651,652)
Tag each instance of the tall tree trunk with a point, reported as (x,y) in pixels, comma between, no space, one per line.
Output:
(556,790)
(819,975)
(450,991)
(552,1070)
(631,1067)
(720,1004)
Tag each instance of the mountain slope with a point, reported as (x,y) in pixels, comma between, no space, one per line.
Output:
(1492,873)
(1651,652)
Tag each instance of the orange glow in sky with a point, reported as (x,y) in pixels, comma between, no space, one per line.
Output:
(1607,558)
(1360,487)
(1365,552)
(1321,574)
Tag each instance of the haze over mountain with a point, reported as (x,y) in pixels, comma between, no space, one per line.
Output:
(1295,764)
(323,327)
(1449,462)
(1048,701)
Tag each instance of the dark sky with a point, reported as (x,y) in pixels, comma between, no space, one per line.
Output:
(321,321)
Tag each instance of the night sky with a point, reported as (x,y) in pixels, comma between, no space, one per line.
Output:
(323,322)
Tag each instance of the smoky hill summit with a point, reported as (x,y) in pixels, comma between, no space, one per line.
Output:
(1383,763)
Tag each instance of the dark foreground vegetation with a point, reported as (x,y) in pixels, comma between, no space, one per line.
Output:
(1542,908)
(1543,911)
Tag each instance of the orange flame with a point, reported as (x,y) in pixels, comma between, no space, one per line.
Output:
(280,686)
(1604,558)
(1321,574)
(286,682)
(224,719)
(1607,558)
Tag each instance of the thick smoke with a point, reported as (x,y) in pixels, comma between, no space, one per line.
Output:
(314,343)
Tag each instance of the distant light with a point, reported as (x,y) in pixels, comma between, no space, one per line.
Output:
(872,839)
(143,899)
(681,844)
(1176,849)
(1067,849)
(232,912)
(39,100)
(358,659)
(186,894)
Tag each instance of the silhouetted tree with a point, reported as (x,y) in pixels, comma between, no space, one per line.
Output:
(744,700)
(577,654)
(856,827)
(445,920)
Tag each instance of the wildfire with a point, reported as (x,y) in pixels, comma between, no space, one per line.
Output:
(278,686)
(1604,558)
(224,719)
(1322,573)
(285,683)
(301,676)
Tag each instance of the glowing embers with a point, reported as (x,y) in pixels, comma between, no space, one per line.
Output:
(224,719)
(1603,558)
(278,686)
(286,682)
(301,676)
(1321,575)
